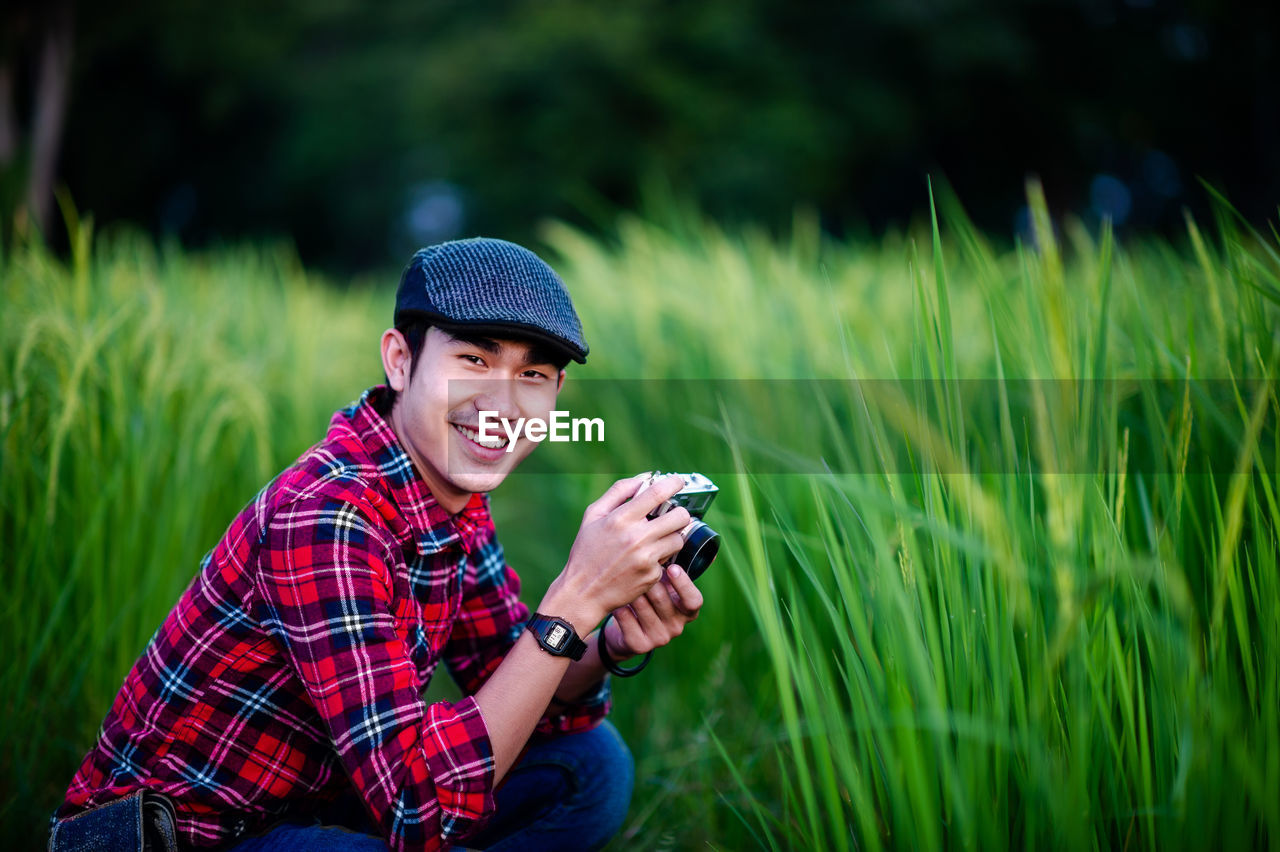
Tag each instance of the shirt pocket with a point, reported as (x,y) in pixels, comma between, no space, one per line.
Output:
(432,608)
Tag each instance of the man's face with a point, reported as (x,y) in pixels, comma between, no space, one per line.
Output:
(437,411)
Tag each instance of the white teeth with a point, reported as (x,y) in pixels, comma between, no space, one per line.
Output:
(493,442)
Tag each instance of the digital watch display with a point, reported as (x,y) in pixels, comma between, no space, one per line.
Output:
(556,636)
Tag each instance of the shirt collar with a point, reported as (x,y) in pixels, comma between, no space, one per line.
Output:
(434,529)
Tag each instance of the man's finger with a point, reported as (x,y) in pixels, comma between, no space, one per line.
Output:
(617,494)
(660,598)
(667,546)
(629,630)
(654,496)
(672,522)
(625,617)
(650,621)
(690,596)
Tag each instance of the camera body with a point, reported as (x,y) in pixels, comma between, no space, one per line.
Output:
(701,542)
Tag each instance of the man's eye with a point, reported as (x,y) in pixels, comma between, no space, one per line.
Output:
(534,374)
(472,359)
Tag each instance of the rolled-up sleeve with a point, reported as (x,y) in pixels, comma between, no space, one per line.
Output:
(461,762)
(424,771)
(491,620)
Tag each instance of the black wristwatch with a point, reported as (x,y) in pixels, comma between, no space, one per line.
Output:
(556,636)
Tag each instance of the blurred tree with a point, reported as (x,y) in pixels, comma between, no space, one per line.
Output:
(35,54)
(364,131)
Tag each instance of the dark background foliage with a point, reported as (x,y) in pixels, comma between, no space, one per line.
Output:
(362,130)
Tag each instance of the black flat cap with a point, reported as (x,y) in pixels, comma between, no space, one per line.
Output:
(488,286)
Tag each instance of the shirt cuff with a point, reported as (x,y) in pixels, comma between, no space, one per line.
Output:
(461,767)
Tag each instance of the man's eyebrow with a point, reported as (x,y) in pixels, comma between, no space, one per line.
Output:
(488,344)
(535,354)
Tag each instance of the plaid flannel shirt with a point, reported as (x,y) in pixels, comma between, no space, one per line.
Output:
(290,672)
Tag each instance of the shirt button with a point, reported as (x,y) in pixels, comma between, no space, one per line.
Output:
(239,827)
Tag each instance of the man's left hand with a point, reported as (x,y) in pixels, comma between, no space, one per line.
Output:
(656,617)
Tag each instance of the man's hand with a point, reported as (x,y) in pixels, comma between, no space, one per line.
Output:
(656,617)
(617,556)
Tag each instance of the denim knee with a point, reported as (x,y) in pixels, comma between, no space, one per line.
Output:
(609,783)
(572,792)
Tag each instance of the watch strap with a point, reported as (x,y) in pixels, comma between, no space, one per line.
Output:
(556,636)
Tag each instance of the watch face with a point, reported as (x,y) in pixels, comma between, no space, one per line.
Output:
(556,636)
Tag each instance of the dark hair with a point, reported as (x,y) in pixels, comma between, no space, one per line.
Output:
(415,334)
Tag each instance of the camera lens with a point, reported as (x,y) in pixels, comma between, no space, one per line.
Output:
(700,548)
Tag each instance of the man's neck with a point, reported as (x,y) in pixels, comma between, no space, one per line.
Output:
(449,497)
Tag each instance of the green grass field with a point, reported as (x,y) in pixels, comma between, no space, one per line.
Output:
(1024,595)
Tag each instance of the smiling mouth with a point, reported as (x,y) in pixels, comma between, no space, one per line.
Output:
(492,443)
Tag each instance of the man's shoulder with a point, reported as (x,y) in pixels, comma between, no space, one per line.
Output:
(340,470)
(334,469)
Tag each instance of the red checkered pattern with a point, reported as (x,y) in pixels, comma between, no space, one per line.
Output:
(290,673)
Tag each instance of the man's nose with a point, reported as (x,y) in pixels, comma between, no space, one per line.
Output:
(497,395)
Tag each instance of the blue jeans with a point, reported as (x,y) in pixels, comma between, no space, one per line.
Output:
(570,793)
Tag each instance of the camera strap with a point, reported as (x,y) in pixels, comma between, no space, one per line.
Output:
(609,662)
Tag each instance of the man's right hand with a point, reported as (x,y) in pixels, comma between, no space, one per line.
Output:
(618,553)
(614,560)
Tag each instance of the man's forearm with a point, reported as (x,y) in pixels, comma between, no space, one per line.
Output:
(583,675)
(518,692)
(516,696)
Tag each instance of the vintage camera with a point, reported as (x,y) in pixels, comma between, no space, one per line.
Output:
(701,543)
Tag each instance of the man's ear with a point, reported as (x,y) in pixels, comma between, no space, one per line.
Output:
(560,382)
(396,359)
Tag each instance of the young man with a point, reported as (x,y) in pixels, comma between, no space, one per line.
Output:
(280,703)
